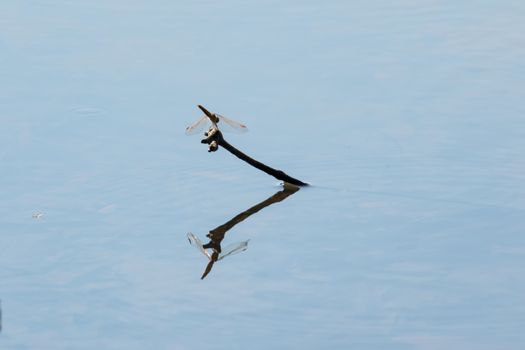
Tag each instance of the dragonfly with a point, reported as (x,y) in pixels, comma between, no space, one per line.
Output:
(214,119)
(231,249)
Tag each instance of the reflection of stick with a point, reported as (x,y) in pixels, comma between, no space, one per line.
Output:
(214,139)
(217,234)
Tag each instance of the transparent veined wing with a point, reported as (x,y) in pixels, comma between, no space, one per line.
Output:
(231,125)
(198,126)
(233,249)
(196,242)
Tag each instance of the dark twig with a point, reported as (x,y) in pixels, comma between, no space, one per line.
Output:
(214,139)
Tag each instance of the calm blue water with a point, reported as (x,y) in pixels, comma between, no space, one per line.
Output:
(407,118)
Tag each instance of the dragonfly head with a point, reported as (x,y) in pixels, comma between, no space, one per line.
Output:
(213,146)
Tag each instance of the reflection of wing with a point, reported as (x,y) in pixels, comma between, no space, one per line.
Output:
(198,126)
(233,126)
(196,242)
(233,249)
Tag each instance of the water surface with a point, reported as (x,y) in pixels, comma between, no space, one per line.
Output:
(406,118)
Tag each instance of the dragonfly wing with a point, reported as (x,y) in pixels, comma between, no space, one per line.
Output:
(233,249)
(231,125)
(196,242)
(198,126)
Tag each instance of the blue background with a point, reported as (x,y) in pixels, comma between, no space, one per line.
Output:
(407,118)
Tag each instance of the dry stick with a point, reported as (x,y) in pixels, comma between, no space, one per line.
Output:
(216,135)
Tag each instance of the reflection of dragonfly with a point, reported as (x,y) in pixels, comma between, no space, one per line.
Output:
(231,249)
(214,119)
(212,250)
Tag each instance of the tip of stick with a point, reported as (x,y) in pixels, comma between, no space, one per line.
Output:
(289,186)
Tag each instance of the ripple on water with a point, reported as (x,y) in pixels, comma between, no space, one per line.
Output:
(89,111)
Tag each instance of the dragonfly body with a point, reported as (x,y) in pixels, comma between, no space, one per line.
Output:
(214,119)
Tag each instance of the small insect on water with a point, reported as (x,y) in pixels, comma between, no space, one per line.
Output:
(213,119)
